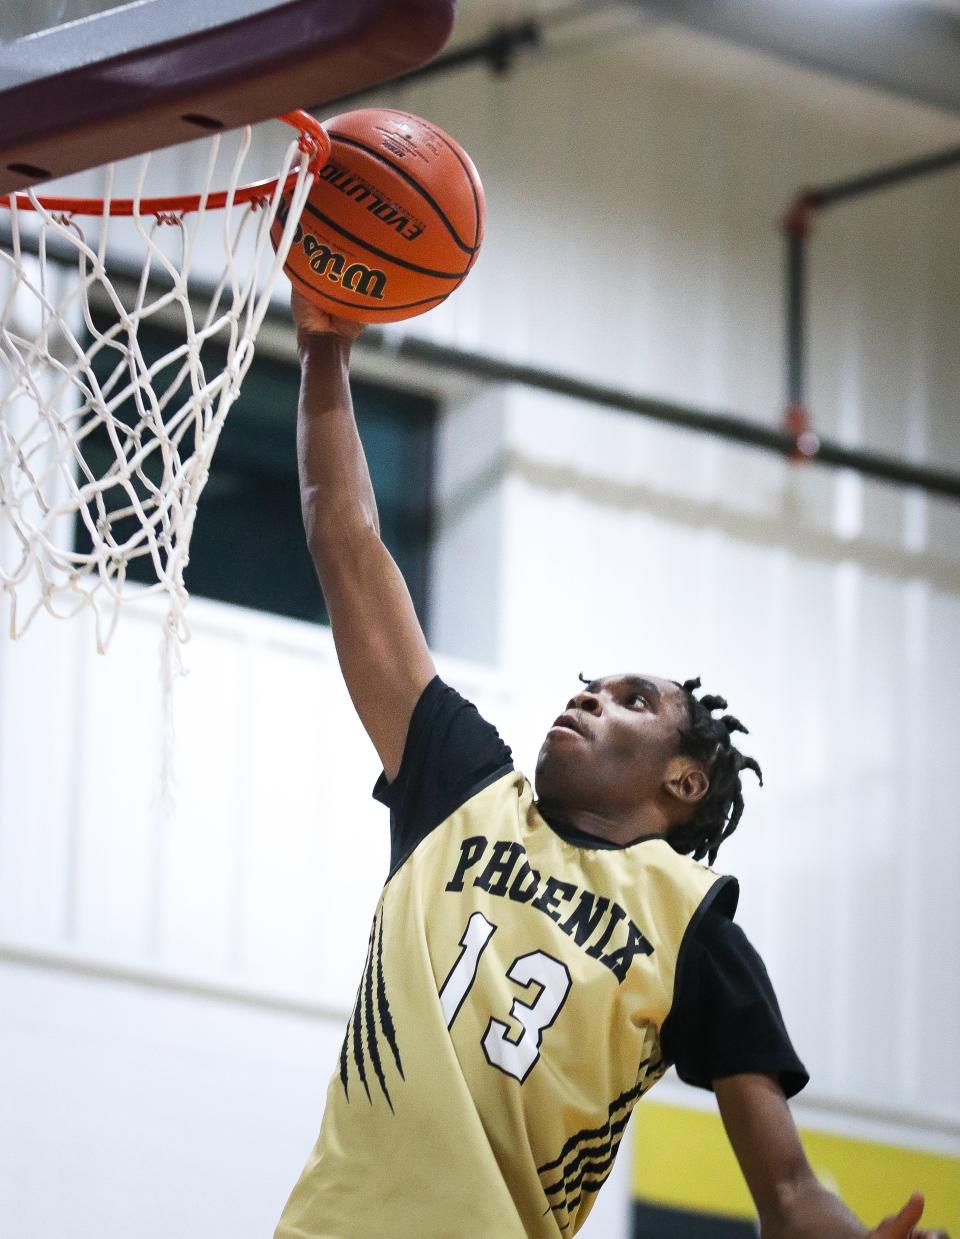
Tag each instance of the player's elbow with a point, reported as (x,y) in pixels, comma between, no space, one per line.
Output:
(335,530)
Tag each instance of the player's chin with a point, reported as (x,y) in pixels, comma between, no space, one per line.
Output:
(557,769)
(541,775)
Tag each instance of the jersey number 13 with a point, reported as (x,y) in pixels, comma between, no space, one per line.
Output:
(515,1055)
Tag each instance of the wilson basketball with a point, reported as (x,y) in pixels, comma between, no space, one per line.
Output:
(393,223)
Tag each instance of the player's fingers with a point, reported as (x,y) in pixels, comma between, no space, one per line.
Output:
(307,316)
(901,1225)
(310,317)
(345,327)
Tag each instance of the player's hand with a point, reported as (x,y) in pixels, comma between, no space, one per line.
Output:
(311,320)
(903,1225)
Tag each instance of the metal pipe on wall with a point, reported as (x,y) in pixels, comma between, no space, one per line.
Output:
(795,441)
(797,225)
(721,425)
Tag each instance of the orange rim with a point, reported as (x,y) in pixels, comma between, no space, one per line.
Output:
(314,143)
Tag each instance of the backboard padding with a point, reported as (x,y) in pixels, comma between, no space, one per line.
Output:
(64,107)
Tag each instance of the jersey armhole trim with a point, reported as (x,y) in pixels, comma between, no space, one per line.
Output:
(475,790)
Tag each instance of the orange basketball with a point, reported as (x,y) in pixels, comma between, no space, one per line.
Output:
(392,224)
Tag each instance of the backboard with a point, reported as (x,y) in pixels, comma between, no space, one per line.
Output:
(87,81)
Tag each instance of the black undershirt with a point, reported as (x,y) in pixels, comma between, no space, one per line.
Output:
(725,1018)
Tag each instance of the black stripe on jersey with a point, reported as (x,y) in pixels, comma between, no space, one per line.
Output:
(592,1133)
(591,1185)
(345,1048)
(372,1044)
(383,1006)
(590,1160)
(344,1075)
(597,1159)
(358,1057)
(600,1169)
(371,1007)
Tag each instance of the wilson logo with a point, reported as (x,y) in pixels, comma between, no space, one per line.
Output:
(356,277)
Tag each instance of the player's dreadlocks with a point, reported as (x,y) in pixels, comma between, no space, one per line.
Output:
(708,740)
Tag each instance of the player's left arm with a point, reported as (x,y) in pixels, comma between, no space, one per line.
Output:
(790,1201)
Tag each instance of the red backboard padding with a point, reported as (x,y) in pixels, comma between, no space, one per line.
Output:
(297,54)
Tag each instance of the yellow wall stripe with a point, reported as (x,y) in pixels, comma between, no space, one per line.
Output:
(682,1159)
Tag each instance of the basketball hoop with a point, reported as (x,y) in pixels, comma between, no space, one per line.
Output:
(73,373)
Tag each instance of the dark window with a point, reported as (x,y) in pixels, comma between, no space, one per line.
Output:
(248,543)
(661,1222)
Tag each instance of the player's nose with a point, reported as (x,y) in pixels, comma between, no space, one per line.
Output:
(586,701)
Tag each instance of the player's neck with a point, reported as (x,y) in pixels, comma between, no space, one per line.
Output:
(613,827)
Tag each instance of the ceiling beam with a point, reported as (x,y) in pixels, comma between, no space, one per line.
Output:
(906,47)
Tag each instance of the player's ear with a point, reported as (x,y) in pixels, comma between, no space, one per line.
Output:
(685,781)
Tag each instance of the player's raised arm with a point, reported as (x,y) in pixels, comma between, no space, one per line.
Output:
(381,647)
(790,1201)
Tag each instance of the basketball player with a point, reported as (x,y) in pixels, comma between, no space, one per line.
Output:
(534,965)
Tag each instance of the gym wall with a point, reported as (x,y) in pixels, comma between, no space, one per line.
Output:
(174,989)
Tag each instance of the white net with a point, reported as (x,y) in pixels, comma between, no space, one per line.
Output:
(105,446)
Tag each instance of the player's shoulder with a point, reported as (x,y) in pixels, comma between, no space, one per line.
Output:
(505,787)
(698,881)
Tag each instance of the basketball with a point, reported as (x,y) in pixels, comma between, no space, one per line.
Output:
(393,223)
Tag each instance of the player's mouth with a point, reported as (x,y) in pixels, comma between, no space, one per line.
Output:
(569,722)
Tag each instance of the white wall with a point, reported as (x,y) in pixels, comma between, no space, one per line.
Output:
(137,1110)
(638,240)
(174,983)
(193,973)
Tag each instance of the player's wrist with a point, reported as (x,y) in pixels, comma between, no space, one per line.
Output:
(323,345)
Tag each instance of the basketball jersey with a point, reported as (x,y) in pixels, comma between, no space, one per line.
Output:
(507,1022)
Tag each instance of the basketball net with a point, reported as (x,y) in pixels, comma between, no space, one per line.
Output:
(73,374)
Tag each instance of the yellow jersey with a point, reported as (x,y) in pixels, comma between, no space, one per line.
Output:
(507,1022)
